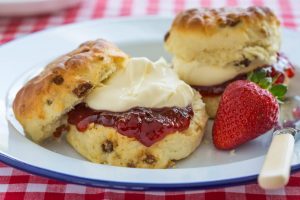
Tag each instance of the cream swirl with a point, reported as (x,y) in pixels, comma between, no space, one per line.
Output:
(141,83)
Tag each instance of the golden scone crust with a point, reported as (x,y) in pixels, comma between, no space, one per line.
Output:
(41,104)
(211,105)
(210,20)
(105,145)
(196,30)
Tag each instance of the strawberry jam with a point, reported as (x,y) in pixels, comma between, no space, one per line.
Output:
(280,70)
(147,125)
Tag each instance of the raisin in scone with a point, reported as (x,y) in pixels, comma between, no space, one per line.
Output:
(114,109)
(213,47)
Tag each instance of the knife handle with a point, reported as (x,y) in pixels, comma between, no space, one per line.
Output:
(275,172)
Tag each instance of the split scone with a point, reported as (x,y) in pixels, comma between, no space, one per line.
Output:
(214,47)
(114,109)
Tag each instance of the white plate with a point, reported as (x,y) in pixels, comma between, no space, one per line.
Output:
(33,7)
(206,167)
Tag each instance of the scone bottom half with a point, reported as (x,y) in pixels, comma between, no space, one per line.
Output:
(44,107)
(212,48)
(104,144)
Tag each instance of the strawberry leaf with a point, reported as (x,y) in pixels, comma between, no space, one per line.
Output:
(262,78)
(278,91)
(258,75)
(265,83)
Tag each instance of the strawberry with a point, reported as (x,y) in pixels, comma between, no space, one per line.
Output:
(245,112)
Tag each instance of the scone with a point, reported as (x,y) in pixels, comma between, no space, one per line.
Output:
(114,109)
(214,47)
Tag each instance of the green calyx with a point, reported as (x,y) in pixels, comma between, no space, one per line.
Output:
(261,78)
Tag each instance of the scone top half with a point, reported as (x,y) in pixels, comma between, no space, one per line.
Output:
(196,34)
(213,47)
(41,104)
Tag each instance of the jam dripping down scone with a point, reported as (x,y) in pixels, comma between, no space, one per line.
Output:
(214,47)
(114,109)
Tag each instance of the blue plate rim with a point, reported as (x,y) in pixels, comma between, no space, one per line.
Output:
(129,186)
